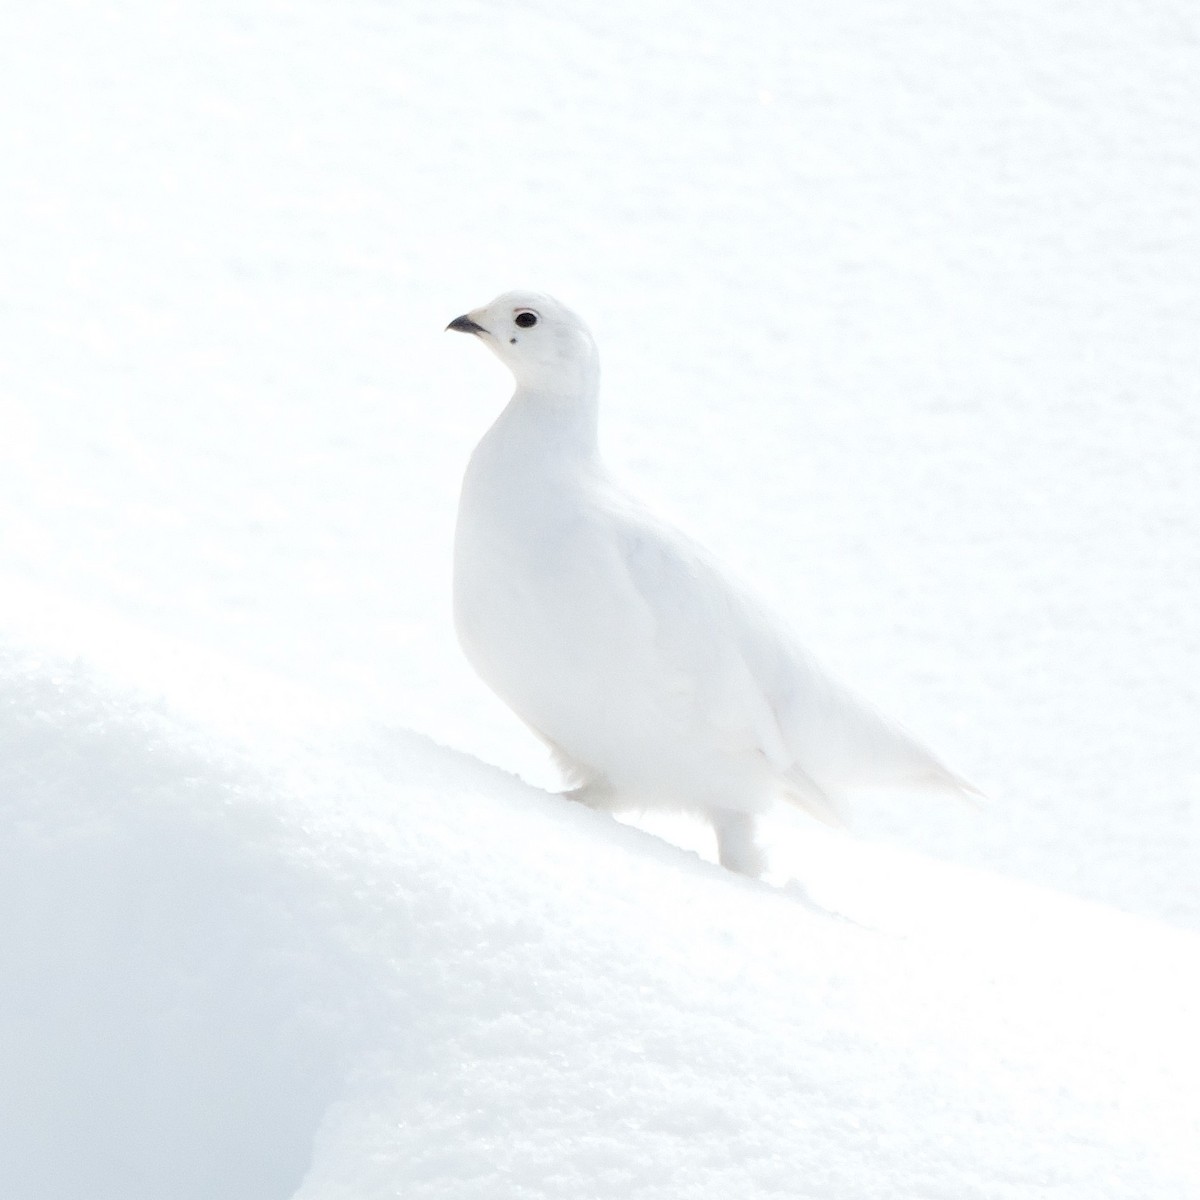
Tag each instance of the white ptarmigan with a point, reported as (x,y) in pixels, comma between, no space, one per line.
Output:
(655,680)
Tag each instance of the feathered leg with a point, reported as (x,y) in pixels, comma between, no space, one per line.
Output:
(736,845)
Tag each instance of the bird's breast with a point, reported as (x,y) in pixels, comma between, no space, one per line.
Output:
(543,608)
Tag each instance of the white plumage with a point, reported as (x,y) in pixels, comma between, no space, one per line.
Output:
(655,680)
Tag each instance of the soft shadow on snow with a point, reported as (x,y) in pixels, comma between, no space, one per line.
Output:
(171,986)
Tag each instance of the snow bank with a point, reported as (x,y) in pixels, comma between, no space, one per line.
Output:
(378,968)
(171,989)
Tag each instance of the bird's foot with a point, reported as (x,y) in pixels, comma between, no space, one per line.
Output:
(595,794)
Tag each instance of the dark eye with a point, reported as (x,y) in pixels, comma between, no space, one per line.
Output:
(526,319)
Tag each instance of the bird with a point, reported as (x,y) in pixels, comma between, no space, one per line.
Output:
(656,680)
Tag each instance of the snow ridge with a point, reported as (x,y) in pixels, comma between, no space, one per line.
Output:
(381,968)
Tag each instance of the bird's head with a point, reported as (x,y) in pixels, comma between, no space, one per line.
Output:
(542,342)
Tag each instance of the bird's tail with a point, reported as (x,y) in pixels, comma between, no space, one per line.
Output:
(902,761)
(941,779)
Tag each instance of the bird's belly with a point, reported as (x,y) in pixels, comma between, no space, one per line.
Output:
(550,647)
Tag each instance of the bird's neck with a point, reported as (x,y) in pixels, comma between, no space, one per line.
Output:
(554,418)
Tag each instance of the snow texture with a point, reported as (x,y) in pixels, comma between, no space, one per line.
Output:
(385,969)
(898,307)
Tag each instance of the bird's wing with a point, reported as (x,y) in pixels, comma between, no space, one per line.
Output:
(698,624)
(754,686)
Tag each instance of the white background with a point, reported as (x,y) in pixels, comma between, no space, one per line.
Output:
(898,311)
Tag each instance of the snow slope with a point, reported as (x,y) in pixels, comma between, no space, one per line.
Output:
(379,968)
(897,307)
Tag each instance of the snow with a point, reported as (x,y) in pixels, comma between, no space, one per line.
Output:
(270,925)
(387,957)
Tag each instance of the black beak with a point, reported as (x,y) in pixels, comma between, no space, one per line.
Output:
(464,324)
